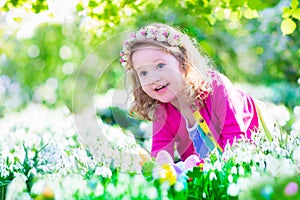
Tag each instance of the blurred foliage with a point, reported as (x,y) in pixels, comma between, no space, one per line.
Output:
(35,6)
(46,63)
(247,40)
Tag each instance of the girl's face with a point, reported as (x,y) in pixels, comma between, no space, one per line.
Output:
(159,73)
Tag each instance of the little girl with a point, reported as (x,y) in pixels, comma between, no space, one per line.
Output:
(193,107)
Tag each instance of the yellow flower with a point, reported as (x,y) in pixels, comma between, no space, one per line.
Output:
(47,194)
(168,174)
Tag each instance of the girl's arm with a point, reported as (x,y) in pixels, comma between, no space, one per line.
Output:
(163,137)
(233,111)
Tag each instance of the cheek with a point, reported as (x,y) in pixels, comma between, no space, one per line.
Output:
(143,82)
(176,74)
(148,91)
(146,88)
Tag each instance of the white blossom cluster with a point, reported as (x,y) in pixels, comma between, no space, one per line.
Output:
(65,165)
(44,143)
(268,160)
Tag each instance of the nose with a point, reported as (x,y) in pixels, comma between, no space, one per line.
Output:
(154,77)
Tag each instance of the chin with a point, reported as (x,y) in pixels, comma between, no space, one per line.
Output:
(166,100)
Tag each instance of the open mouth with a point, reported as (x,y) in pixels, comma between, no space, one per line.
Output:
(161,87)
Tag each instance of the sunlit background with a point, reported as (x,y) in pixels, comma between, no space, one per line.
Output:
(45,44)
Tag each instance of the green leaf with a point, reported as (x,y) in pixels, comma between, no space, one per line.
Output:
(296,13)
(237,3)
(15,2)
(79,8)
(92,4)
(288,26)
(17,19)
(214,3)
(256,4)
(294,4)
(220,14)
(236,15)
(211,20)
(196,173)
(147,169)
(286,12)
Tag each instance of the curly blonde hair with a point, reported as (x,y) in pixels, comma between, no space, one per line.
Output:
(195,67)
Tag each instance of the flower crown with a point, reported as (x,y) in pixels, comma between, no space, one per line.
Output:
(160,34)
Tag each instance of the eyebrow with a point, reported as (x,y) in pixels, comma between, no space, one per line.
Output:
(157,60)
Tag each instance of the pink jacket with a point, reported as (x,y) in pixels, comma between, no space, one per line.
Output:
(228,112)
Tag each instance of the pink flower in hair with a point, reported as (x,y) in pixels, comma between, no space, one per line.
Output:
(161,35)
(141,34)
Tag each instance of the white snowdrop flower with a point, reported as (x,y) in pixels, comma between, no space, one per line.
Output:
(266,146)
(241,171)
(111,189)
(243,183)
(253,136)
(283,114)
(16,187)
(296,155)
(273,165)
(178,186)
(103,171)
(25,196)
(135,191)
(124,178)
(139,179)
(233,190)
(218,165)
(164,190)
(4,172)
(165,186)
(233,170)
(136,182)
(227,155)
(256,158)
(262,164)
(230,178)
(212,176)
(246,157)
(207,166)
(72,182)
(99,191)
(286,168)
(32,172)
(152,193)
(281,152)
(37,187)
(121,188)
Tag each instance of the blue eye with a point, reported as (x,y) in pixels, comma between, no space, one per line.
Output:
(160,66)
(143,73)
